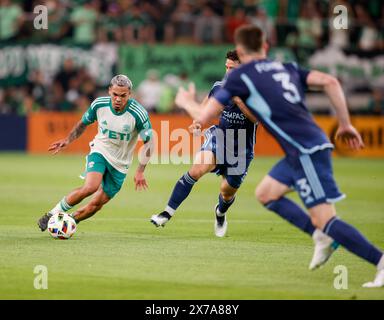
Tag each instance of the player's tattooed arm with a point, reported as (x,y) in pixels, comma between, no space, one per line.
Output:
(76,132)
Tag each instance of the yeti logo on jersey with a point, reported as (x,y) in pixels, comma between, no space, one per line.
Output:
(91,164)
(115,135)
(126,128)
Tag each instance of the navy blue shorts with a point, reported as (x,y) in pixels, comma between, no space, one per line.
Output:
(311,176)
(234,169)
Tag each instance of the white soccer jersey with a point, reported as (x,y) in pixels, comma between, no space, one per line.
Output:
(117,132)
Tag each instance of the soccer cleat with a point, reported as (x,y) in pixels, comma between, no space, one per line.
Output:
(221,224)
(378,282)
(161,219)
(43,221)
(324,247)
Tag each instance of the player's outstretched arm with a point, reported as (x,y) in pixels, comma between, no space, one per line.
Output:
(186,99)
(76,132)
(204,113)
(334,91)
(144,156)
(210,113)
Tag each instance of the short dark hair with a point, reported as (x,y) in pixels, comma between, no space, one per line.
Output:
(250,37)
(232,55)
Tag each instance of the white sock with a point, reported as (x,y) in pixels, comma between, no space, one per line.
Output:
(170,210)
(380,265)
(62,206)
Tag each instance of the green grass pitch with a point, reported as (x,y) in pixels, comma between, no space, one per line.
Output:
(119,254)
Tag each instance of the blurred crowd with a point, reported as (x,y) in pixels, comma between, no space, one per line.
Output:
(301,25)
(286,22)
(74,89)
(71,89)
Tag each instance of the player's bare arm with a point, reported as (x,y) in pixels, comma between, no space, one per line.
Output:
(334,91)
(195,127)
(240,103)
(188,100)
(76,132)
(210,113)
(144,157)
(185,99)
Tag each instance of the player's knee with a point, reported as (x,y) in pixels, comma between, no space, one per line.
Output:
(196,173)
(262,195)
(227,196)
(319,221)
(87,190)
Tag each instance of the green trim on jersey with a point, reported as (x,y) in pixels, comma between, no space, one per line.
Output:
(143,124)
(115,112)
(90,116)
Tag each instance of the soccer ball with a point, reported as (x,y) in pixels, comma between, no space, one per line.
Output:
(61,226)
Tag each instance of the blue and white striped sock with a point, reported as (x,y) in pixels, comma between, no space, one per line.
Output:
(180,192)
(224,205)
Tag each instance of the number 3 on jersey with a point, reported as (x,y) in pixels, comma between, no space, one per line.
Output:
(304,190)
(291,94)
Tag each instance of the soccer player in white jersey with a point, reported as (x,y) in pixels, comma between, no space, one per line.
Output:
(121,120)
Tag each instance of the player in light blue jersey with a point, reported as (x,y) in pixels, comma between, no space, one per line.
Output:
(221,146)
(274,94)
(121,120)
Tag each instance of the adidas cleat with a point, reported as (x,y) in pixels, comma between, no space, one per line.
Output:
(43,221)
(221,224)
(324,247)
(161,219)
